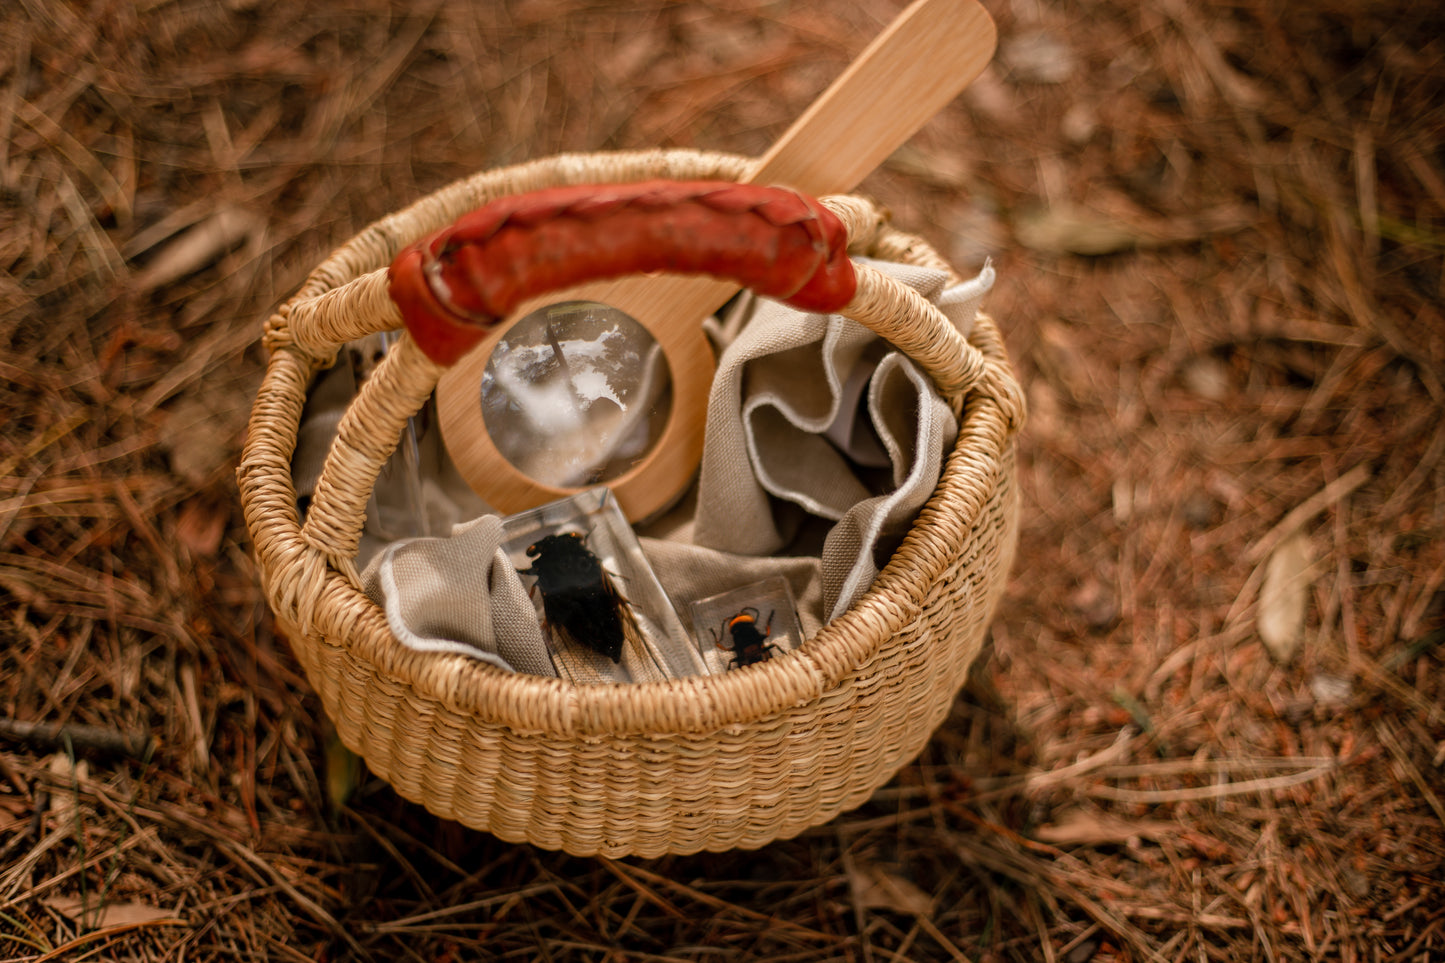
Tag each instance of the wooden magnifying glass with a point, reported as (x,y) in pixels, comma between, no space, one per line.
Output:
(922,61)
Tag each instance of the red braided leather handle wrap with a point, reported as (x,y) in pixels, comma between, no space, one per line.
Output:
(452,286)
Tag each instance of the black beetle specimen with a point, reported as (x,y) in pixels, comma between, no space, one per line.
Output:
(747,644)
(579,599)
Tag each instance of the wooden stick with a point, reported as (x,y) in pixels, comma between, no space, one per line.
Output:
(920,62)
(81,737)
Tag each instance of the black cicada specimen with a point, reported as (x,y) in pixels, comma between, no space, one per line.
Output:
(579,599)
(740,635)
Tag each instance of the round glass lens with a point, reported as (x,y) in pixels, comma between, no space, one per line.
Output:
(576,394)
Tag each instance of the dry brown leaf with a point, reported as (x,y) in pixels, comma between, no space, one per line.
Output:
(201,432)
(1332,692)
(1079,828)
(991,96)
(1119,227)
(945,168)
(201,526)
(66,774)
(1283,597)
(877,888)
(1039,57)
(1070,230)
(198,247)
(108,914)
(1206,377)
(1079,123)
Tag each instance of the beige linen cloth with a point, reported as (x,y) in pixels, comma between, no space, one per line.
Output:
(813,421)
(812,399)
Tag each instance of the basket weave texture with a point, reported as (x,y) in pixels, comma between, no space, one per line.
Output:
(702,763)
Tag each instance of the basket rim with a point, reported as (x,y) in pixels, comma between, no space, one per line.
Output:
(332,610)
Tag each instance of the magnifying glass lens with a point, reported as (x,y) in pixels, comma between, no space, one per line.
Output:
(576,394)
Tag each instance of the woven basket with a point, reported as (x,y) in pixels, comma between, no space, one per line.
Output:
(702,763)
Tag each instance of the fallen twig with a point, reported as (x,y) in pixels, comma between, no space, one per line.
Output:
(82,738)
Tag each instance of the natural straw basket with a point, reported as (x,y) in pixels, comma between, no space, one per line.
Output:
(703,763)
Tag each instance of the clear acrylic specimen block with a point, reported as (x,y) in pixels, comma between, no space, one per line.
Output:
(604,614)
(747,625)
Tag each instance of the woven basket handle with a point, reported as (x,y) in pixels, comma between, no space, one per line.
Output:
(454,285)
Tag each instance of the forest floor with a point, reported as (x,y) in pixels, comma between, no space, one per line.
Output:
(1218,229)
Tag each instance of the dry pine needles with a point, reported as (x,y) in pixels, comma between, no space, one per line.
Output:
(1218,229)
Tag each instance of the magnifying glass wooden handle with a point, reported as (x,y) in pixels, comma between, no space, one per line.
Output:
(921,61)
(454,287)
